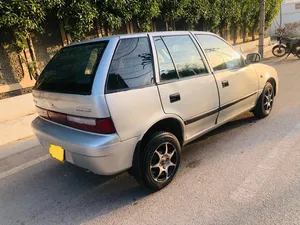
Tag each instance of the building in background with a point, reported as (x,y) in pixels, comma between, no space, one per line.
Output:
(289,17)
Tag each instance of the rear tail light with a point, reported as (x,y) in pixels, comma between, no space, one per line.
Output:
(58,117)
(42,112)
(101,126)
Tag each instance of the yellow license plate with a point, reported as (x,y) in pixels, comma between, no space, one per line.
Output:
(57,152)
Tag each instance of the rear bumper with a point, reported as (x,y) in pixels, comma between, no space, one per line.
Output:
(102,154)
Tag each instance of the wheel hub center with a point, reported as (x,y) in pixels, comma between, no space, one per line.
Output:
(165,160)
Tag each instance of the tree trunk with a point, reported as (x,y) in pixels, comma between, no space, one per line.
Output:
(68,36)
(234,34)
(153,26)
(33,56)
(244,31)
(253,33)
(131,27)
(106,32)
(22,58)
(173,25)
(63,34)
(98,27)
(23,63)
(128,30)
(221,30)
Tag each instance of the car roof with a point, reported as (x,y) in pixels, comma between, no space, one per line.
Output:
(135,35)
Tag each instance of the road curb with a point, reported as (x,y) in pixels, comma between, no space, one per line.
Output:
(16,129)
(16,107)
(18,146)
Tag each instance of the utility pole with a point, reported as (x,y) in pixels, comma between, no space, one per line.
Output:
(262,28)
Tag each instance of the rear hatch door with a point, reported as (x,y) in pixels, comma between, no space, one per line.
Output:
(73,81)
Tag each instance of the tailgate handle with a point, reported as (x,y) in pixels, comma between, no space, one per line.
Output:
(175,97)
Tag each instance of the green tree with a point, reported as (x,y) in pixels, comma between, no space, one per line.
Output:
(225,16)
(147,11)
(213,18)
(235,18)
(272,10)
(78,17)
(114,12)
(22,18)
(193,11)
(171,12)
(249,13)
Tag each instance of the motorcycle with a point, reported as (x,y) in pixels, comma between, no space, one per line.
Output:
(287,45)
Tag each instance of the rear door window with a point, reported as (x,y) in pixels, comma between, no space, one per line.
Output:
(166,66)
(72,69)
(186,57)
(131,66)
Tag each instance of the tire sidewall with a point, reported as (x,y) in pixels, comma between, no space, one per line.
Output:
(298,54)
(267,87)
(153,144)
(277,46)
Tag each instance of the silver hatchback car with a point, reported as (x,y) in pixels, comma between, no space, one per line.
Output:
(130,102)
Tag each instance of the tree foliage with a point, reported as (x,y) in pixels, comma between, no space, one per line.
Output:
(78,16)
(22,17)
(114,12)
(171,11)
(193,11)
(148,9)
(272,10)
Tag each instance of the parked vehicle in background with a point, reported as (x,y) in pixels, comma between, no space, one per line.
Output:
(287,45)
(131,102)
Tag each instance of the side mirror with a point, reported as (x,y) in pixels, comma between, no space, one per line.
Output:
(253,58)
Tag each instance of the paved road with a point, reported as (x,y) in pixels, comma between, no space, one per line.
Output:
(246,172)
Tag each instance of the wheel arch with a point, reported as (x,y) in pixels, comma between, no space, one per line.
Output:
(171,124)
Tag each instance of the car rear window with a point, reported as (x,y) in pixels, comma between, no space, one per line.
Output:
(72,69)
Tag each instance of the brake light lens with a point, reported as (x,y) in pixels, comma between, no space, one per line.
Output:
(42,112)
(58,117)
(100,126)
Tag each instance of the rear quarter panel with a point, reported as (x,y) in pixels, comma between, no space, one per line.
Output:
(134,111)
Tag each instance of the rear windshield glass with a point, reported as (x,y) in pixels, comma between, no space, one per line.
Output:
(72,69)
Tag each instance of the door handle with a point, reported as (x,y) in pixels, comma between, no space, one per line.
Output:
(175,97)
(225,83)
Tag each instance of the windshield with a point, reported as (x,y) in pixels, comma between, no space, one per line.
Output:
(72,69)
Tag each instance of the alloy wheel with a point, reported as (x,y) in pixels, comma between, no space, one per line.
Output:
(163,162)
(268,99)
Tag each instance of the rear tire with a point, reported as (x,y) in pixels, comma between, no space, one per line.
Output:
(265,102)
(159,161)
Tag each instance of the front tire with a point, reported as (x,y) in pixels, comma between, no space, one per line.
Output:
(159,160)
(265,102)
(279,50)
(298,51)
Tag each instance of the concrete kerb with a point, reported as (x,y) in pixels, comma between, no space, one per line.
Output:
(17,129)
(16,107)
(16,115)
(18,146)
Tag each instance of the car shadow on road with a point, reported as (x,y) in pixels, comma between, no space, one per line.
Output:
(282,60)
(55,193)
